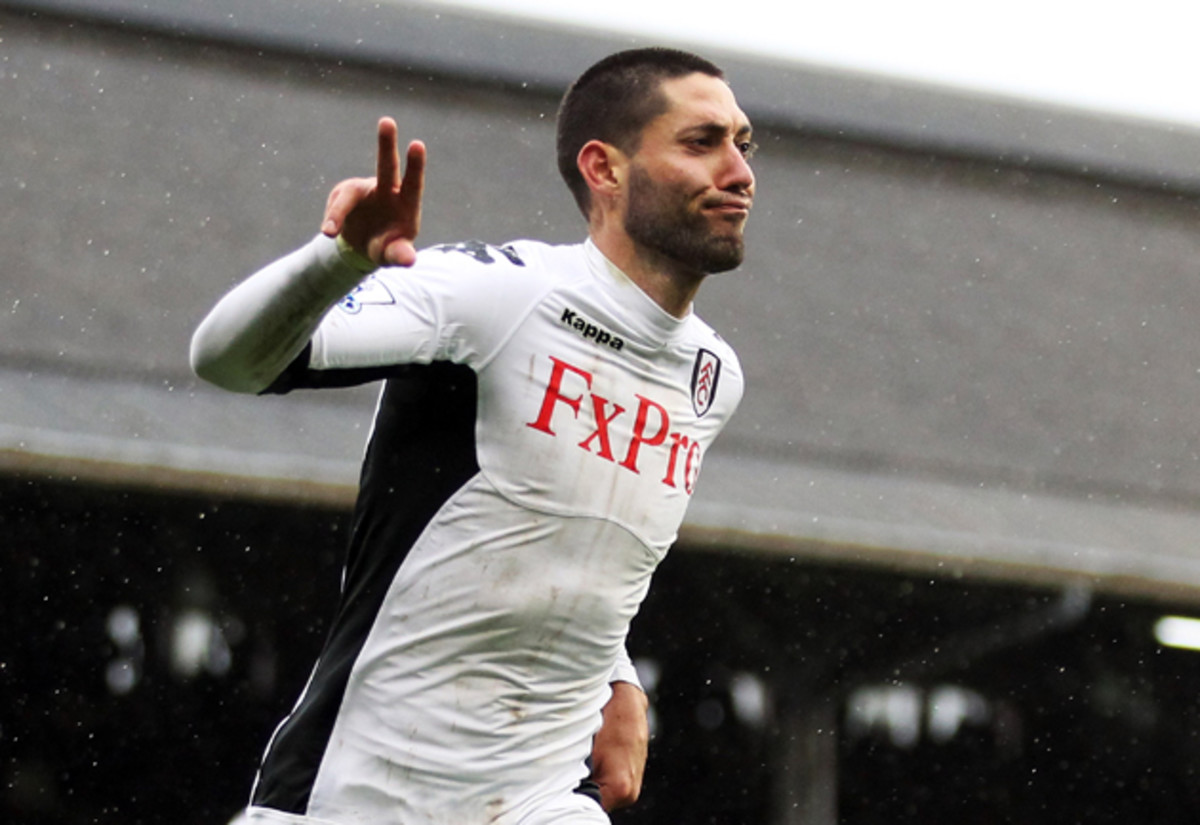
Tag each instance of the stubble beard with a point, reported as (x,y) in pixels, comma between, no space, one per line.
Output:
(659,220)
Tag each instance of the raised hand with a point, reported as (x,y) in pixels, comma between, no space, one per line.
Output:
(380,217)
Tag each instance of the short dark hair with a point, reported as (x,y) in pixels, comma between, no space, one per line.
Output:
(613,101)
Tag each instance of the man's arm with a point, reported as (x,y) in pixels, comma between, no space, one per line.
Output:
(620,747)
(256,330)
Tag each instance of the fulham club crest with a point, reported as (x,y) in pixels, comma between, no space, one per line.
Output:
(704,381)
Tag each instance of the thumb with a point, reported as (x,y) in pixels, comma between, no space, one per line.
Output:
(399,252)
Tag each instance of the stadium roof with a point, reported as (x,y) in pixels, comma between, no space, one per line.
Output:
(1044,433)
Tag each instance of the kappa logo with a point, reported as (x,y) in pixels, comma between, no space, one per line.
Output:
(370,291)
(588,330)
(705,375)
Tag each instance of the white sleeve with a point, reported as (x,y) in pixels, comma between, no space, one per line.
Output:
(624,671)
(457,303)
(263,323)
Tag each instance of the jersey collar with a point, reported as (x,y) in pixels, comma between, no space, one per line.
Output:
(640,309)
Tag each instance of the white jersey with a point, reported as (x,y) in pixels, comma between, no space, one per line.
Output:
(487,601)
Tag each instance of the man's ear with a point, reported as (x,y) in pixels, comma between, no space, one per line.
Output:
(603,168)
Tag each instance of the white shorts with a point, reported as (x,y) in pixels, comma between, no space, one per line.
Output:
(568,809)
(565,809)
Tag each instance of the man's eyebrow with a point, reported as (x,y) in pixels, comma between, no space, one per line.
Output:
(713,128)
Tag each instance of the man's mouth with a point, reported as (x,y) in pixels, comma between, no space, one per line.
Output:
(731,206)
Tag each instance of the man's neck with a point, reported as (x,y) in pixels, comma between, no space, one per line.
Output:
(663,280)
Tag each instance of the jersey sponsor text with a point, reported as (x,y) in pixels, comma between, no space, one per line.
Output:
(570,386)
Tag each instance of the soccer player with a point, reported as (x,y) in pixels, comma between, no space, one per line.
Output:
(544,416)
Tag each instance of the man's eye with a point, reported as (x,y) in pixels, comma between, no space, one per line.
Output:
(748,148)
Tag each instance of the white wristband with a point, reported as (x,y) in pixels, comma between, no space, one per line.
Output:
(353,257)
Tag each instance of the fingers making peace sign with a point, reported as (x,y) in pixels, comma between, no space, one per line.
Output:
(380,217)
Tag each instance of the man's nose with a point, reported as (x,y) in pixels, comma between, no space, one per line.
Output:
(736,173)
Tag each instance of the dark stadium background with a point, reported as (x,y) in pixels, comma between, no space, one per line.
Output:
(1084,718)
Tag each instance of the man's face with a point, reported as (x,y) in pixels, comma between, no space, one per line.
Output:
(690,186)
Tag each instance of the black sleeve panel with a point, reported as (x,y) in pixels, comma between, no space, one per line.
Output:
(299,376)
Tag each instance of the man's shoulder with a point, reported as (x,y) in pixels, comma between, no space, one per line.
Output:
(702,334)
(485,281)
(531,256)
